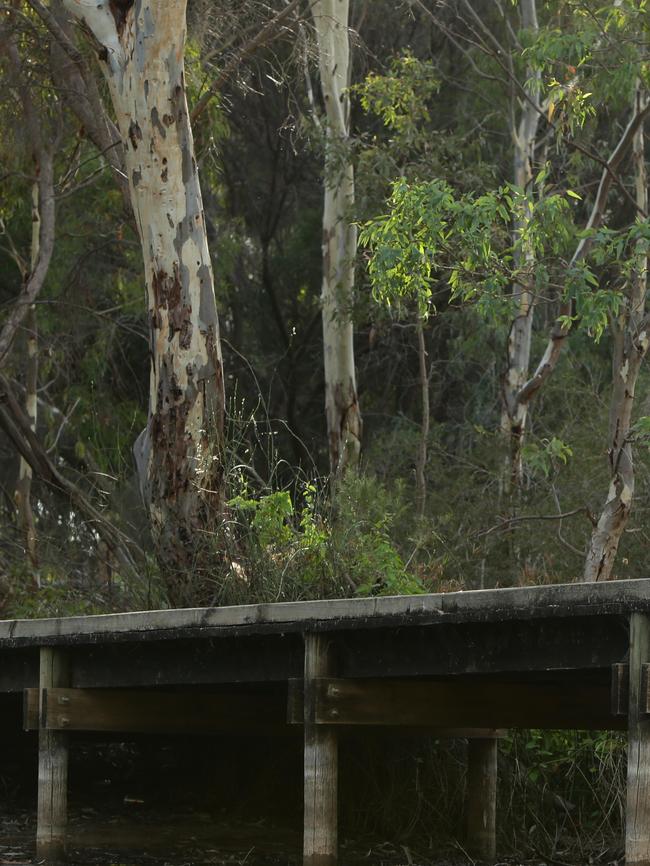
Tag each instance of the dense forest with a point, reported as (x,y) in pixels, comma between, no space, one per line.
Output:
(320,298)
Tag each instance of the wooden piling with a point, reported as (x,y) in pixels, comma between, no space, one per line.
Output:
(481,800)
(52,765)
(321,762)
(637,823)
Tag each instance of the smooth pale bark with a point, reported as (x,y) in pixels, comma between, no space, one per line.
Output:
(331,19)
(77,85)
(631,337)
(23,493)
(141,50)
(515,411)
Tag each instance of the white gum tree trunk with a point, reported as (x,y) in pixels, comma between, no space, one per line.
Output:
(515,411)
(140,44)
(331,19)
(631,337)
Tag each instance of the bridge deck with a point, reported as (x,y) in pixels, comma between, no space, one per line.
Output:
(454,664)
(489,605)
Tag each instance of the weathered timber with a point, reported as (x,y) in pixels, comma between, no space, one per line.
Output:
(252,659)
(52,815)
(520,603)
(620,689)
(136,711)
(31,709)
(18,668)
(637,825)
(589,642)
(320,839)
(464,702)
(481,798)
(296,716)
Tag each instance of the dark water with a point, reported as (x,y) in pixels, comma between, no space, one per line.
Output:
(119,840)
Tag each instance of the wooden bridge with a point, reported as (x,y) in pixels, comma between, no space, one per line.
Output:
(456,664)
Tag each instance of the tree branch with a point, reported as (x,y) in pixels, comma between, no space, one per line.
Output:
(508,522)
(267,34)
(16,426)
(560,331)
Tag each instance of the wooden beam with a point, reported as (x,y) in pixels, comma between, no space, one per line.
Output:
(138,711)
(31,712)
(637,825)
(182,662)
(320,845)
(621,689)
(52,815)
(481,798)
(591,643)
(464,703)
(296,715)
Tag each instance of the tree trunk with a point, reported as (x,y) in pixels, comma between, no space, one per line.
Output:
(141,49)
(421,461)
(631,341)
(515,411)
(339,239)
(23,494)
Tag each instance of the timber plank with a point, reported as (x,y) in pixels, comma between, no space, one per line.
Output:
(519,603)
(252,659)
(31,710)
(136,711)
(296,710)
(469,703)
(593,642)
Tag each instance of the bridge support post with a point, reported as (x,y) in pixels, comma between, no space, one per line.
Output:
(481,800)
(637,819)
(52,813)
(320,846)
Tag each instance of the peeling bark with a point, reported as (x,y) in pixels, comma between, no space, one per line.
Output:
(339,239)
(140,44)
(631,339)
(515,411)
